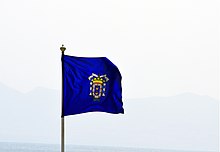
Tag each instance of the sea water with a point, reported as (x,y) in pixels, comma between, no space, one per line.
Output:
(29,147)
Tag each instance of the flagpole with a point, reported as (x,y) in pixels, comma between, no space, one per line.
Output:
(62,110)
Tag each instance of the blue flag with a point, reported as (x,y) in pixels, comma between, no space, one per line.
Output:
(91,84)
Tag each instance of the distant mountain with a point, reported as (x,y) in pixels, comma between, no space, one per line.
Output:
(186,121)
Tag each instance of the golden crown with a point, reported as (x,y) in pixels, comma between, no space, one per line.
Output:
(98,80)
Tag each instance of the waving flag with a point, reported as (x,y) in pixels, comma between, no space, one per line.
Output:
(90,85)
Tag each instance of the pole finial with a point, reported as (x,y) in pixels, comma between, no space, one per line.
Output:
(62,48)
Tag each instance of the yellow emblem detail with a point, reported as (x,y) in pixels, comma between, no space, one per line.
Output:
(97,85)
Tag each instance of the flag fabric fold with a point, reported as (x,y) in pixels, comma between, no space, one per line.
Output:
(91,84)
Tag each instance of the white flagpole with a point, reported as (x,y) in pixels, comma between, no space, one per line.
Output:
(62,114)
(62,134)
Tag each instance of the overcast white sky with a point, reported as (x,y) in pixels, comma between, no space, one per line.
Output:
(161,47)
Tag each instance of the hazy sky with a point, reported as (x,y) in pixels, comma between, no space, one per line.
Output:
(161,47)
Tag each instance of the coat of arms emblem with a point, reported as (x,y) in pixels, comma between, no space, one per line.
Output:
(97,85)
